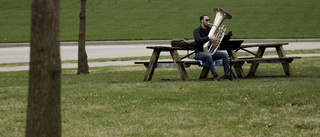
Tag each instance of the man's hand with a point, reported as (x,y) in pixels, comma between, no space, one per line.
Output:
(220,31)
(213,39)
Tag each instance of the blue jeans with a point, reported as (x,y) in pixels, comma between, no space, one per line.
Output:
(206,56)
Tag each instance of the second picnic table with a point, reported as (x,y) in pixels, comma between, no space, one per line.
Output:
(258,58)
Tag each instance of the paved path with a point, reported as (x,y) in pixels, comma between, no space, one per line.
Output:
(19,52)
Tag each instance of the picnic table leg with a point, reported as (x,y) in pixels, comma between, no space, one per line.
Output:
(238,69)
(152,65)
(254,66)
(280,51)
(204,72)
(286,66)
(180,66)
(287,69)
(253,69)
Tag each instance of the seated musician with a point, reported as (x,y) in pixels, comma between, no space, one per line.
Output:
(201,37)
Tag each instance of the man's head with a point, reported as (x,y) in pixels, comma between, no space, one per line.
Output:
(204,20)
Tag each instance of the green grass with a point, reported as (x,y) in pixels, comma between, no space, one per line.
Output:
(114,101)
(168,19)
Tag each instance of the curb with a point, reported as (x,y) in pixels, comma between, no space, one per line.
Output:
(155,42)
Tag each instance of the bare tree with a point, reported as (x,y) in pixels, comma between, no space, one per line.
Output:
(43,111)
(83,67)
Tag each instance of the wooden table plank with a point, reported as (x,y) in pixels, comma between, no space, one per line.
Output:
(263,45)
(166,48)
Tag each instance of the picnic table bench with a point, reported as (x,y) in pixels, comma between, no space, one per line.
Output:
(237,62)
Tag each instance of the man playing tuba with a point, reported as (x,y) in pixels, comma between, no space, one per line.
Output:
(201,37)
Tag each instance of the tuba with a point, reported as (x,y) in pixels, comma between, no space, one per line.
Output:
(221,15)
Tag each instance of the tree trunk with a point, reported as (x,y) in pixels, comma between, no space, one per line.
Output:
(43,111)
(83,67)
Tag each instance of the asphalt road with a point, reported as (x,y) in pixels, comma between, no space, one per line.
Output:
(69,51)
(22,54)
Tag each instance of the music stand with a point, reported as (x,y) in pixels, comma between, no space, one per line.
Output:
(228,46)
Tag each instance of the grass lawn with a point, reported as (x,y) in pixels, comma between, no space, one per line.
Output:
(114,101)
(167,19)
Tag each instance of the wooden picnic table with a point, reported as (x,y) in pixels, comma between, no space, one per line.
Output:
(175,57)
(177,62)
(259,58)
(237,62)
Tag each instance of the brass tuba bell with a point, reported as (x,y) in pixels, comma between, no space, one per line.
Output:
(221,15)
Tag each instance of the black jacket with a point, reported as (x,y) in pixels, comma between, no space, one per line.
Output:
(201,37)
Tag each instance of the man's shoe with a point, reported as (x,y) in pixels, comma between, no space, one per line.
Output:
(216,78)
